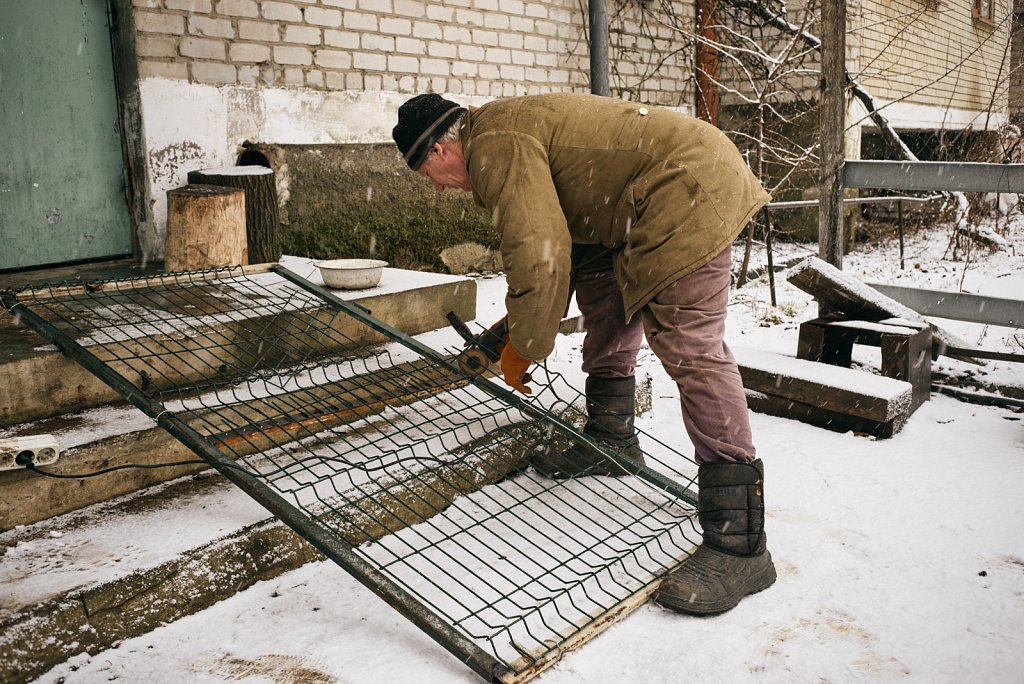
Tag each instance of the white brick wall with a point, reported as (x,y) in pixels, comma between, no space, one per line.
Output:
(470,47)
(217,72)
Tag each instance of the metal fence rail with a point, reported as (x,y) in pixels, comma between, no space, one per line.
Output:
(380,452)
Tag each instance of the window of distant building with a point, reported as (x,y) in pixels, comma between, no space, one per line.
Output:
(984,10)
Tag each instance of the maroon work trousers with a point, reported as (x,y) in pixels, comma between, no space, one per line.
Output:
(685,327)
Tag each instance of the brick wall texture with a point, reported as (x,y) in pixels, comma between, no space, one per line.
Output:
(1017,66)
(934,53)
(489,48)
(921,52)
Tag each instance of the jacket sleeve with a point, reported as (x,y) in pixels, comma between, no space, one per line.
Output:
(510,173)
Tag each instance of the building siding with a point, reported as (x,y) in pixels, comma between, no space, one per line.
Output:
(934,54)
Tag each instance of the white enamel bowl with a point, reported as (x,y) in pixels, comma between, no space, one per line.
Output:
(351,274)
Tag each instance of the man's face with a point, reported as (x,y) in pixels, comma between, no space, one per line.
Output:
(446,168)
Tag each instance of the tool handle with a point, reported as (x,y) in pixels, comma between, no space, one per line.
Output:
(460,327)
(492,340)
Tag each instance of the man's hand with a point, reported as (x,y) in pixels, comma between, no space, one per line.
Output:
(513,368)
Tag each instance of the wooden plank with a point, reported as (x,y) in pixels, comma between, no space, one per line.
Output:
(959,306)
(831,388)
(906,349)
(855,299)
(784,407)
(987,354)
(527,667)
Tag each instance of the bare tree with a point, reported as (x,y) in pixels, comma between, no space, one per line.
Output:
(768,70)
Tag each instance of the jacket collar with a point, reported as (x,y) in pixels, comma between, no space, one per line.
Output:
(466,138)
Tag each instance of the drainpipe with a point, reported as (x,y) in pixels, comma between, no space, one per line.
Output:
(599,47)
(707,62)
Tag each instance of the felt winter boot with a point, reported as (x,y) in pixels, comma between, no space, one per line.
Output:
(610,415)
(733,561)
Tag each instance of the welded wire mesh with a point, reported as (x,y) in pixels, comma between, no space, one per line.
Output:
(389,448)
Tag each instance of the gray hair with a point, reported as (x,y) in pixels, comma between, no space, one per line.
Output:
(454,132)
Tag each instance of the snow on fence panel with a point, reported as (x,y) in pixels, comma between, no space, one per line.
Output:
(378,450)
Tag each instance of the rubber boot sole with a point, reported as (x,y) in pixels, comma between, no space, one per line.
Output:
(691,604)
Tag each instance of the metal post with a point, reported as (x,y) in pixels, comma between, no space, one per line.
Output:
(768,247)
(899,212)
(599,47)
(707,62)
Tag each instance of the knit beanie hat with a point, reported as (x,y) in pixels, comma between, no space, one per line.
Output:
(421,121)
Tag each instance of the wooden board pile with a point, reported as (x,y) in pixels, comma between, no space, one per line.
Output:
(834,396)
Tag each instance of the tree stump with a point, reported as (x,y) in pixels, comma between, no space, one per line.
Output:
(261,214)
(205,228)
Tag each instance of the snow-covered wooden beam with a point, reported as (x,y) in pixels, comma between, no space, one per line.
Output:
(842,292)
(831,397)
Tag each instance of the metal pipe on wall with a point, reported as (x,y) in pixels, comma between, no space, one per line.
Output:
(598,10)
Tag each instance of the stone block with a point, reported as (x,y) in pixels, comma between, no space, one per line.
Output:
(212,72)
(293,55)
(238,8)
(323,17)
(202,48)
(249,52)
(154,22)
(307,35)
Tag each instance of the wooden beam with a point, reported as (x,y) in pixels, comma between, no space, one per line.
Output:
(707,62)
(785,407)
(831,388)
(831,129)
(845,293)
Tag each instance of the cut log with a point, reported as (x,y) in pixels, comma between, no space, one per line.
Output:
(261,211)
(832,397)
(205,228)
(844,293)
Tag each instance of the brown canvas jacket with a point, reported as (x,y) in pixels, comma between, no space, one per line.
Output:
(667,191)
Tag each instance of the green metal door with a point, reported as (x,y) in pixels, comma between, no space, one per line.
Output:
(61,169)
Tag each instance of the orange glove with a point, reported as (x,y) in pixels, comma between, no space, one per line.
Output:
(513,368)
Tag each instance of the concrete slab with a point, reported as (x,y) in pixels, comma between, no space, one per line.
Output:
(116,436)
(39,382)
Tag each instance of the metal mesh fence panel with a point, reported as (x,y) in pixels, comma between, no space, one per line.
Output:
(408,473)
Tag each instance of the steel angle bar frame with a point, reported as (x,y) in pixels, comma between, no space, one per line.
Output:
(933,176)
(436,619)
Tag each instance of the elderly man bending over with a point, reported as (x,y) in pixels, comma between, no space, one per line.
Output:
(636,208)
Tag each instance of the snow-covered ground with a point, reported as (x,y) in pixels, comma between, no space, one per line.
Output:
(898,559)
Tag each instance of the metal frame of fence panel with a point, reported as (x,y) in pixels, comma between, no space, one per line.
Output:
(376,448)
(933,176)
